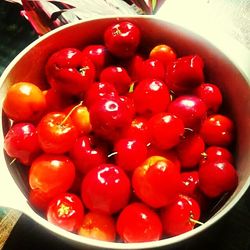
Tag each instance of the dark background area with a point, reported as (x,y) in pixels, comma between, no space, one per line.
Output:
(15,32)
(230,233)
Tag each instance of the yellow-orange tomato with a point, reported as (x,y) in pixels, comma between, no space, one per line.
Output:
(163,53)
(24,101)
(98,226)
(79,115)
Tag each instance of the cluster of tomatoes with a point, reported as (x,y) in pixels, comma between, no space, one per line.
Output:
(124,144)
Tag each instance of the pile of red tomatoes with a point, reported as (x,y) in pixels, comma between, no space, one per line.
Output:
(124,144)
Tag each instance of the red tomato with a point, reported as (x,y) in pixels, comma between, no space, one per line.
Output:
(213,153)
(217,177)
(151,68)
(69,71)
(51,174)
(217,130)
(118,76)
(150,97)
(166,130)
(157,181)
(66,211)
(190,150)
(138,223)
(122,39)
(177,217)
(86,155)
(190,183)
(99,55)
(163,53)
(130,153)
(56,133)
(21,142)
(185,73)
(98,226)
(105,189)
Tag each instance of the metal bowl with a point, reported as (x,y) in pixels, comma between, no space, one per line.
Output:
(219,68)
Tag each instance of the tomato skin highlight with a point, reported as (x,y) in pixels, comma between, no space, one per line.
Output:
(51,174)
(138,223)
(66,211)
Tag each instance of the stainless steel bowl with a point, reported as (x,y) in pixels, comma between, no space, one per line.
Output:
(28,66)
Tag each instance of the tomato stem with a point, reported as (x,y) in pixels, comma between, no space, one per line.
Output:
(112,154)
(196,221)
(12,161)
(204,155)
(70,112)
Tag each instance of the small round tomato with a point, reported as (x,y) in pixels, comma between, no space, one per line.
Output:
(69,71)
(217,130)
(190,183)
(105,189)
(217,178)
(180,216)
(150,97)
(24,101)
(166,130)
(191,109)
(86,155)
(21,142)
(122,39)
(130,153)
(51,174)
(211,95)
(163,53)
(66,211)
(185,73)
(151,68)
(118,76)
(98,54)
(99,226)
(99,90)
(157,181)
(190,150)
(213,153)
(109,117)
(138,223)
(56,133)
